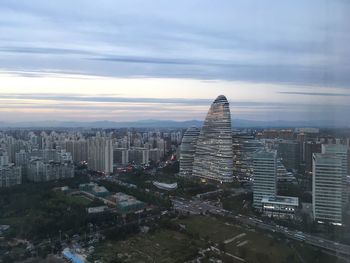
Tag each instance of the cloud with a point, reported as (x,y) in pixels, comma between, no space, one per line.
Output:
(129,59)
(84,98)
(327,94)
(45,50)
(286,42)
(113,99)
(296,45)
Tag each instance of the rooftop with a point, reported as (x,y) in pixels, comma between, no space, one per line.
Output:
(283,200)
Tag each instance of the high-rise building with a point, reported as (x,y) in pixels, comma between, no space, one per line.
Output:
(78,149)
(154,155)
(265,176)
(40,171)
(340,151)
(4,159)
(310,149)
(22,160)
(289,151)
(120,156)
(214,155)
(160,144)
(244,145)
(327,187)
(100,154)
(138,155)
(187,151)
(10,175)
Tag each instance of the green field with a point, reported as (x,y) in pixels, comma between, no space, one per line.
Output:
(162,246)
(201,232)
(257,246)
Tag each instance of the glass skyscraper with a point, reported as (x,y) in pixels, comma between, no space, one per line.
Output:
(327,187)
(214,155)
(187,151)
(265,176)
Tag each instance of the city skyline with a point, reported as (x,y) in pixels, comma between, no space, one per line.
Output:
(116,62)
(223,125)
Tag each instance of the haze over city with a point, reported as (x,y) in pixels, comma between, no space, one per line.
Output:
(90,61)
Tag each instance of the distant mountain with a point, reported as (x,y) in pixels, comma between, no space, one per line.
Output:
(103,124)
(239,123)
(236,123)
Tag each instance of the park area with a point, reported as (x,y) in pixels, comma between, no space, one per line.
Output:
(232,243)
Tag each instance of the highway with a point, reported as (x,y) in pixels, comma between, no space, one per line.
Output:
(196,207)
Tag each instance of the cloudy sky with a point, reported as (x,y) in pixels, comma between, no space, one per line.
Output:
(134,60)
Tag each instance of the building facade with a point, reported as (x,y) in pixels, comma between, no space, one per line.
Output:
(100,154)
(40,171)
(10,175)
(213,158)
(289,152)
(281,207)
(138,155)
(187,151)
(120,156)
(327,188)
(265,174)
(340,151)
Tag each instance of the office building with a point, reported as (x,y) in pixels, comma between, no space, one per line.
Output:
(213,158)
(244,146)
(309,149)
(340,151)
(327,188)
(265,174)
(289,152)
(280,207)
(187,151)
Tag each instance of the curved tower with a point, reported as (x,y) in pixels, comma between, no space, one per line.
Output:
(187,151)
(214,156)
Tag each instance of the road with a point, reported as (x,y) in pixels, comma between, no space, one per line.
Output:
(195,207)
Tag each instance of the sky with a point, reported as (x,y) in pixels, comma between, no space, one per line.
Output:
(82,60)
